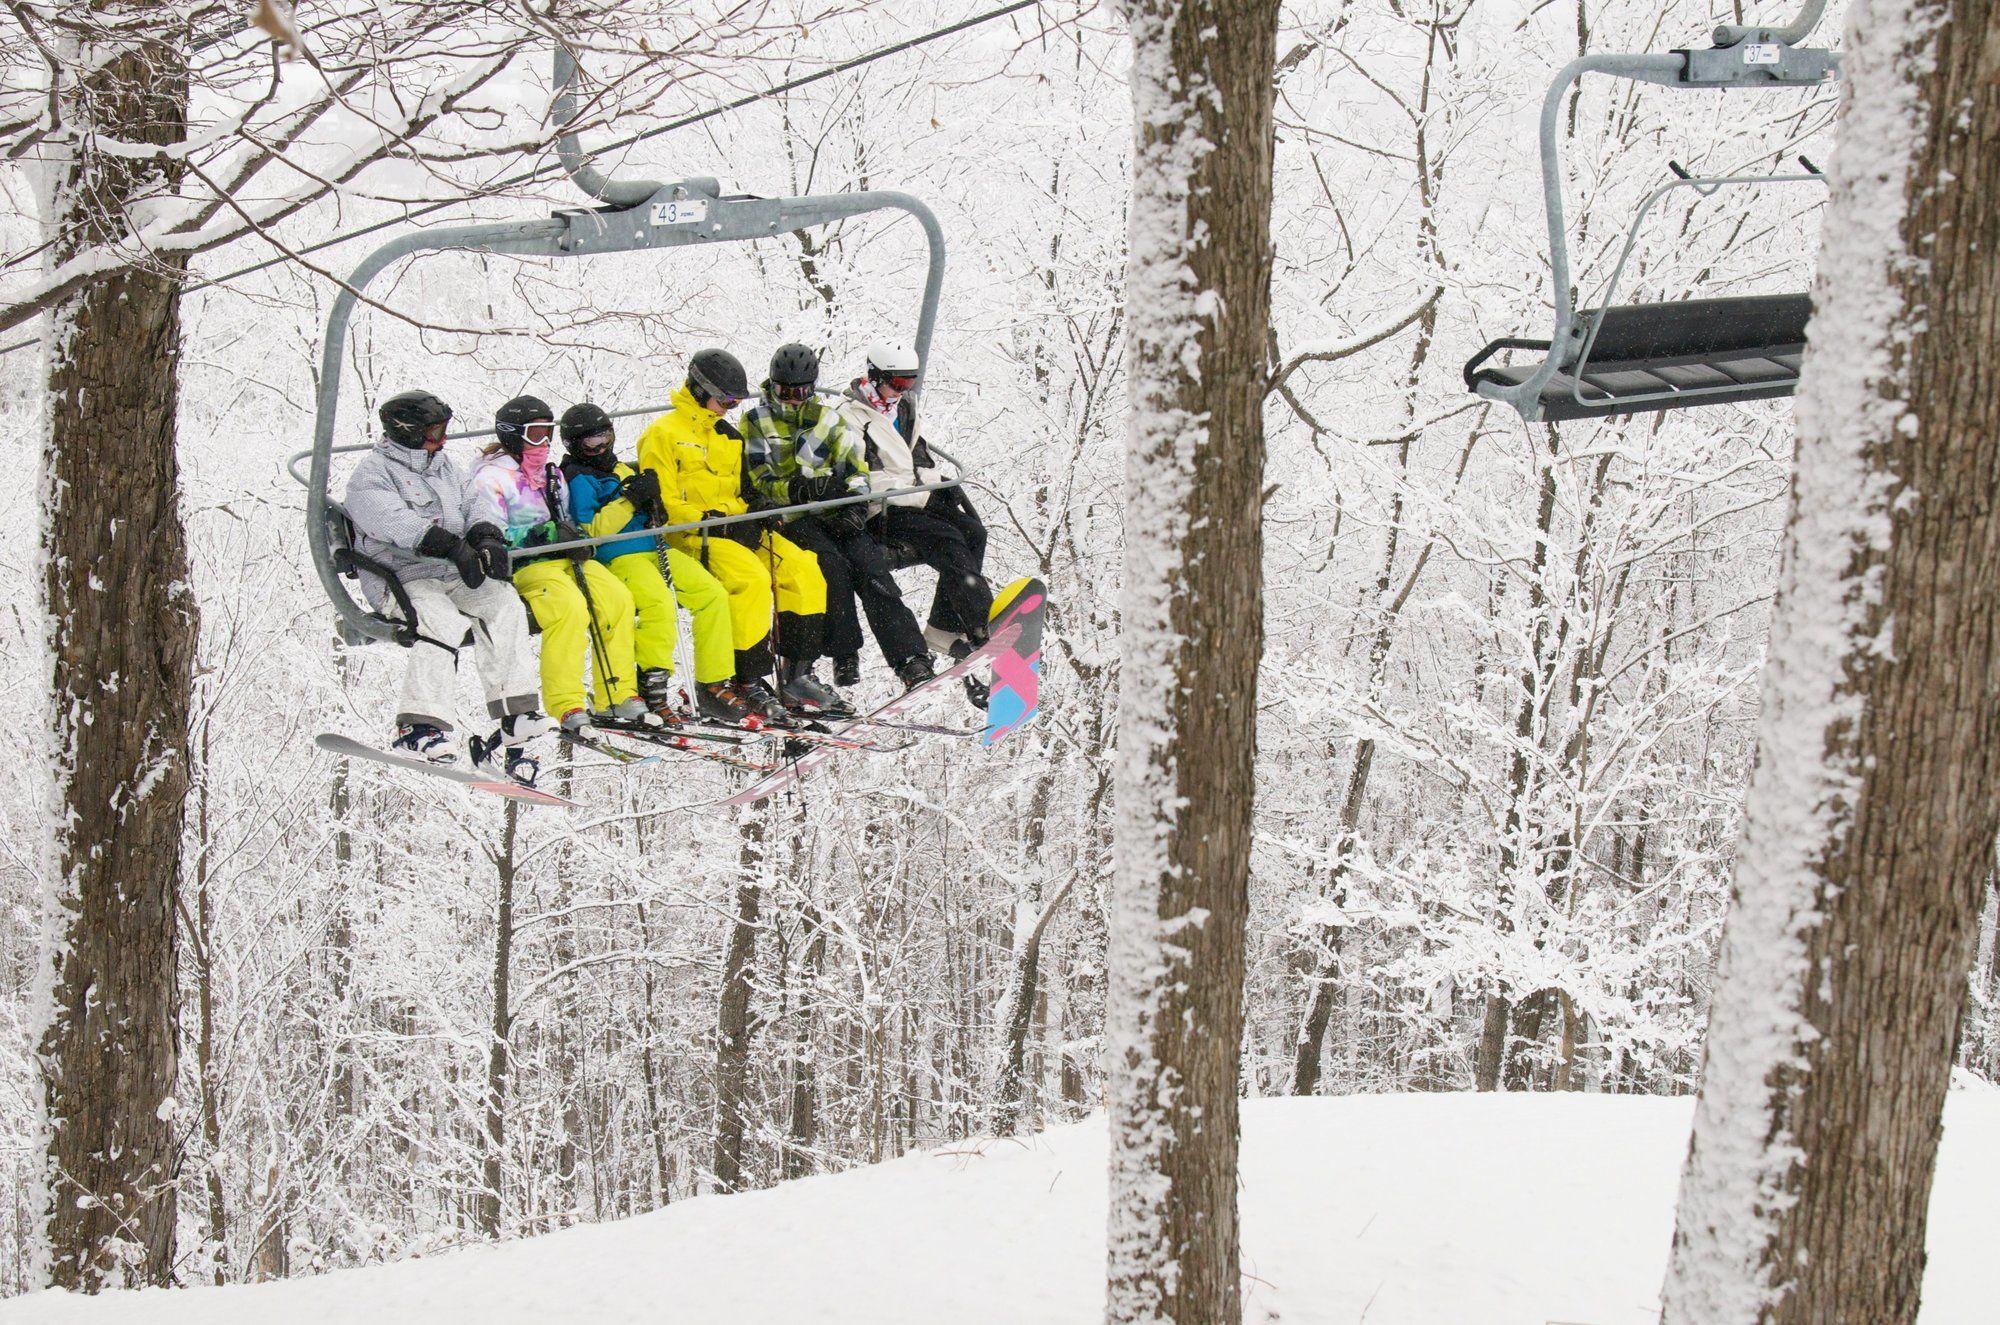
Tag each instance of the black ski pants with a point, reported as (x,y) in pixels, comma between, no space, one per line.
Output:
(857,567)
(950,540)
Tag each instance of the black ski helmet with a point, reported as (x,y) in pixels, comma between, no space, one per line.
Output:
(717,375)
(795,365)
(511,420)
(405,418)
(583,420)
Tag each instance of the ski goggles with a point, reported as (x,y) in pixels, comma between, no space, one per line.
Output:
(538,434)
(597,441)
(433,434)
(900,381)
(792,395)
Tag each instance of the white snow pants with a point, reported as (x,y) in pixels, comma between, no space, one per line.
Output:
(446,610)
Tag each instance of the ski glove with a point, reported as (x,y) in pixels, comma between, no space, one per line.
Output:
(491,545)
(558,531)
(565,531)
(642,490)
(820,487)
(848,521)
(443,544)
(750,533)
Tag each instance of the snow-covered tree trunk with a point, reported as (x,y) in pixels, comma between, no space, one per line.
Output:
(1873,807)
(121,626)
(1198,299)
(732,1018)
(486,1205)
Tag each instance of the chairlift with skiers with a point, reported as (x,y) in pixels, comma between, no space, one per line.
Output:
(639,215)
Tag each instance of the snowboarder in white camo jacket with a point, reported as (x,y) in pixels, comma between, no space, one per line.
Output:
(410,504)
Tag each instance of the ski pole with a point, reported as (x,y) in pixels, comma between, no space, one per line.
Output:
(551,480)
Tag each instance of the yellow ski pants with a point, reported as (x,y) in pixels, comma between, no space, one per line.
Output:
(549,587)
(749,577)
(658,629)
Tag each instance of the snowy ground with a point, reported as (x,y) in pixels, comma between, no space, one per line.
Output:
(1388,1210)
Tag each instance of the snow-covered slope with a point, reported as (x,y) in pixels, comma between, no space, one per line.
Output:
(1441,1209)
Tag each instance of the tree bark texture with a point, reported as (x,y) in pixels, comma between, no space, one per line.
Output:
(122,636)
(1876,796)
(1198,297)
(802,1124)
(499,1045)
(732,1021)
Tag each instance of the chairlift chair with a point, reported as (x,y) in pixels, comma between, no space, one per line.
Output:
(1618,359)
(636,215)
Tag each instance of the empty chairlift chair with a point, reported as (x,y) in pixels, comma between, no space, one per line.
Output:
(1633,358)
(1643,358)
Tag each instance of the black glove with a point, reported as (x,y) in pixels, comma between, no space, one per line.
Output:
(821,487)
(727,429)
(443,544)
(566,533)
(848,521)
(491,545)
(642,490)
(750,533)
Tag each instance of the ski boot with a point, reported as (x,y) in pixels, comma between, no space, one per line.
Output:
(719,702)
(635,712)
(662,696)
(424,740)
(576,723)
(766,709)
(847,670)
(805,696)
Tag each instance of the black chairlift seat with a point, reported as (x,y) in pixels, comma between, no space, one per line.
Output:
(1660,356)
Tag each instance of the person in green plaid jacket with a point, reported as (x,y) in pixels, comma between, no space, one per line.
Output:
(798,449)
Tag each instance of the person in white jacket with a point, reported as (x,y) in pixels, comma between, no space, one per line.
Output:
(935,529)
(411,508)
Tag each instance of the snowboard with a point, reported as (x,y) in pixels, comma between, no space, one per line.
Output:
(1017,610)
(497,784)
(1017,669)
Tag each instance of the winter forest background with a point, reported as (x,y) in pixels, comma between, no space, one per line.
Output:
(1509,692)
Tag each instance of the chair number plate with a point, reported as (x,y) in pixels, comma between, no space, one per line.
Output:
(1763,53)
(681,211)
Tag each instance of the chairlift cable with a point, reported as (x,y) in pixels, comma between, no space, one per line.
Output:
(541,172)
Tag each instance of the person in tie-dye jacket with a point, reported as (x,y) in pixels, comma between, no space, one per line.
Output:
(517,489)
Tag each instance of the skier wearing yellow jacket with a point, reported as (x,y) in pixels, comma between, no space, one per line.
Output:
(608,496)
(697,456)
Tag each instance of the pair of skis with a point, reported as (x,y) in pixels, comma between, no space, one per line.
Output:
(1013,648)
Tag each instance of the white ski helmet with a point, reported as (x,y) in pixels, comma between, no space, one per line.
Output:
(889,358)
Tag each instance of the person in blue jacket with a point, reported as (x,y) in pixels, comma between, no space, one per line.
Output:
(608,496)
